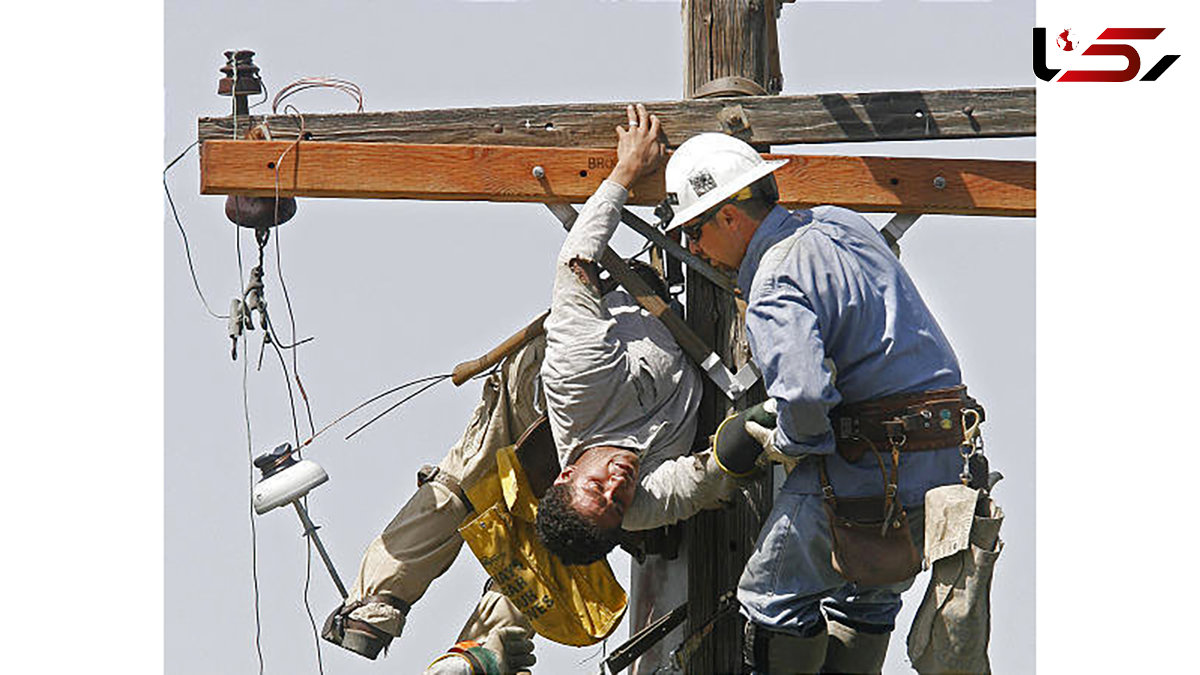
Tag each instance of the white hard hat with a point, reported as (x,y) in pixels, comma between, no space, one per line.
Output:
(708,169)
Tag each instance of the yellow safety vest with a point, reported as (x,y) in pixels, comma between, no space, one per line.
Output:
(575,605)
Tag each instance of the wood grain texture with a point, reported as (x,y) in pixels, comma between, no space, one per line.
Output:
(505,174)
(774,120)
(723,38)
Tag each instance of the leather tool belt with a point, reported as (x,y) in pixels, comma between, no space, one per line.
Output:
(926,420)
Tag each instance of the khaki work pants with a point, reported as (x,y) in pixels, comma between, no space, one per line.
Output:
(422,540)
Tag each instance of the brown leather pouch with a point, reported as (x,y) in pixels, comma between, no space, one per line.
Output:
(865,550)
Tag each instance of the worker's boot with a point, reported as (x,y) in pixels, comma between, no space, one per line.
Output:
(773,653)
(853,651)
(367,627)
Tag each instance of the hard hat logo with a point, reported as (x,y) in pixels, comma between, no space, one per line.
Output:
(709,168)
(702,181)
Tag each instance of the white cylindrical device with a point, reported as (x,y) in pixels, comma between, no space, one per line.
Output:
(287,485)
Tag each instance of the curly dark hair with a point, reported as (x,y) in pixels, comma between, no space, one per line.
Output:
(566,533)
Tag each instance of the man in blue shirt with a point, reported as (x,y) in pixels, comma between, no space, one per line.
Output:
(836,326)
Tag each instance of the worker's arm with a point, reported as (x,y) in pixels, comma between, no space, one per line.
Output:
(785,338)
(585,364)
(676,490)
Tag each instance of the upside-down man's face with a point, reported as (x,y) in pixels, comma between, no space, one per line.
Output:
(604,480)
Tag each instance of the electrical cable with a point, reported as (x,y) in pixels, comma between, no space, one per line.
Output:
(272,337)
(266,94)
(291,397)
(270,328)
(287,299)
(249,438)
(307,607)
(187,249)
(253,528)
(345,86)
(399,403)
(371,400)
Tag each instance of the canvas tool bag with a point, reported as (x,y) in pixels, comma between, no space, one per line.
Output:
(951,628)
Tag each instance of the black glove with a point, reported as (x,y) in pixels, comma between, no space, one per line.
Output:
(734,448)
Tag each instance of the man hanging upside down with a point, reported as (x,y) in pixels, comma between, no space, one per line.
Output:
(621,399)
(620,393)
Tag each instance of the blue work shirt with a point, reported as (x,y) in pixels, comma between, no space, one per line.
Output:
(824,289)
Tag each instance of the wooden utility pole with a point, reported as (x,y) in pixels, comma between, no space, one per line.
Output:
(729,46)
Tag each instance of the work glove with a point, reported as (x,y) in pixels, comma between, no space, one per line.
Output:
(513,646)
(764,436)
(737,445)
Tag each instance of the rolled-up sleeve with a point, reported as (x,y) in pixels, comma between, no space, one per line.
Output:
(785,339)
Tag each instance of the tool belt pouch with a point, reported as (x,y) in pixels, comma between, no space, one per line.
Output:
(872,544)
(867,549)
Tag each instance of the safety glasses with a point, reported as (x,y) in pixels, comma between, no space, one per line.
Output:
(693,229)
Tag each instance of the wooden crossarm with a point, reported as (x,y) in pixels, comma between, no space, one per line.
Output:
(505,174)
(773,120)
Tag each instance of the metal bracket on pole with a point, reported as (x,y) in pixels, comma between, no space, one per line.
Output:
(896,227)
(623,656)
(672,247)
(731,384)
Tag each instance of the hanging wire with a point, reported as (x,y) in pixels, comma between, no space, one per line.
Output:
(295,428)
(399,403)
(371,400)
(287,298)
(253,528)
(187,249)
(266,94)
(304,83)
(308,607)
(287,380)
(249,439)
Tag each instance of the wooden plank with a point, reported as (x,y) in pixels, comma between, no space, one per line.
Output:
(774,120)
(505,174)
(722,38)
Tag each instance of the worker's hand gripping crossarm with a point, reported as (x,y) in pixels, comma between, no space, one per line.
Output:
(640,149)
